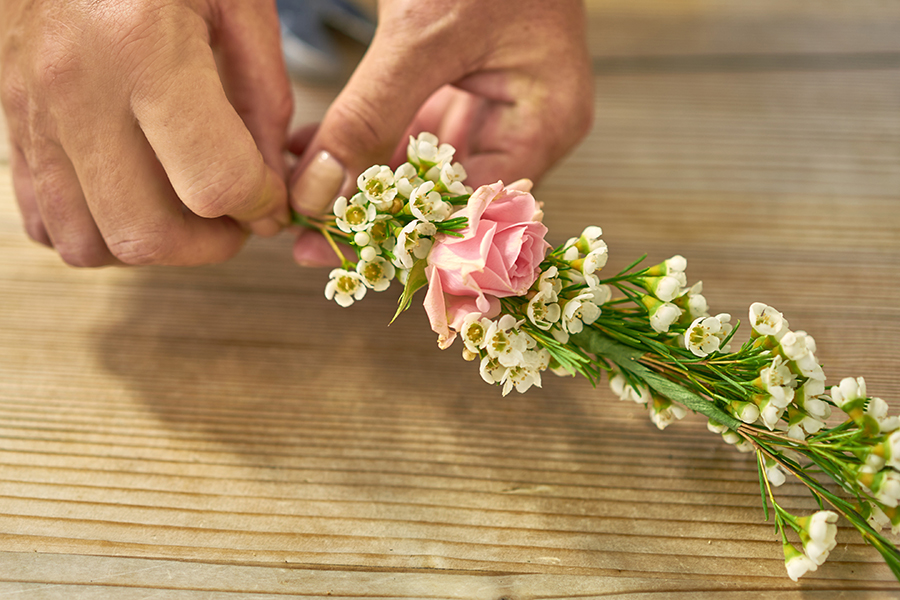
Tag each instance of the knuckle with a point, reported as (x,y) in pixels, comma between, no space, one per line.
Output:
(55,65)
(140,248)
(233,185)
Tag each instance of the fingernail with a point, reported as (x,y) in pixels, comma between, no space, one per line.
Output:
(318,185)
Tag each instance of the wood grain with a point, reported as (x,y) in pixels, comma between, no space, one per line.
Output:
(224,432)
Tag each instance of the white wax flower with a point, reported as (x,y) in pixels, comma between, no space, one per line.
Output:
(543,311)
(765,320)
(491,370)
(778,381)
(376,273)
(664,417)
(693,301)
(705,334)
(345,287)
(355,214)
(413,242)
(427,205)
(893,442)
(774,473)
(377,185)
(578,312)
(715,426)
(550,284)
(474,331)
(797,563)
(663,317)
(770,414)
(452,177)
(406,179)
(424,151)
(505,342)
(528,373)
(850,389)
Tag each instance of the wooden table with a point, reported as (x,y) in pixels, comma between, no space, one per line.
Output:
(225,432)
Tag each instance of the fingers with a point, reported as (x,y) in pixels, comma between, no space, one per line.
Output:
(313,250)
(202,143)
(63,211)
(252,70)
(23,185)
(367,120)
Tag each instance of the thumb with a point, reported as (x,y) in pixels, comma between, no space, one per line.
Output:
(366,122)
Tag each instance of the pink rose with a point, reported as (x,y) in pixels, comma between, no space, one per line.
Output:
(498,256)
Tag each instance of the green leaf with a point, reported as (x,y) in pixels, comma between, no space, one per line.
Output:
(414,283)
(627,358)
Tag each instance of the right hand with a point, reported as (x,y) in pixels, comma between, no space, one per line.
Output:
(145,131)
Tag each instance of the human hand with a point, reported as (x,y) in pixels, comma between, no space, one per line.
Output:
(507,83)
(145,131)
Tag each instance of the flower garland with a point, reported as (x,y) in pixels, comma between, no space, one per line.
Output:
(521,308)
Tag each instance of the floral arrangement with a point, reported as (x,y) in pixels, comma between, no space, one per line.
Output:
(521,308)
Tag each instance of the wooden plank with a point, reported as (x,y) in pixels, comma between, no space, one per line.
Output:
(226,432)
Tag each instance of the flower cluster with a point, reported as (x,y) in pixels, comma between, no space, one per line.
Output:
(521,307)
(394,218)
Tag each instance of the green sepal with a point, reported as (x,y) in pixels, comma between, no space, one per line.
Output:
(627,358)
(416,281)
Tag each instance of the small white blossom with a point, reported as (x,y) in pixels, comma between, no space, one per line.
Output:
(578,312)
(850,389)
(878,410)
(376,273)
(424,151)
(778,381)
(491,370)
(716,427)
(821,527)
(528,373)
(345,287)
(877,519)
(550,283)
(774,473)
(505,342)
(797,563)
(377,185)
(765,320)
(452,177)
(731,437)
(427,205)
(745,411)
(664,413)
(474,331)
(884,484)
(587,242)
(745,447)
(693,302)
(706,334)
(663,316)
(625,391)
(817,409)
(666,288)
(543,311)
(595,260)
(770,413)
(893,442)
(799,347)
(406,179)
(599,294)
(353,215)
(414,242)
